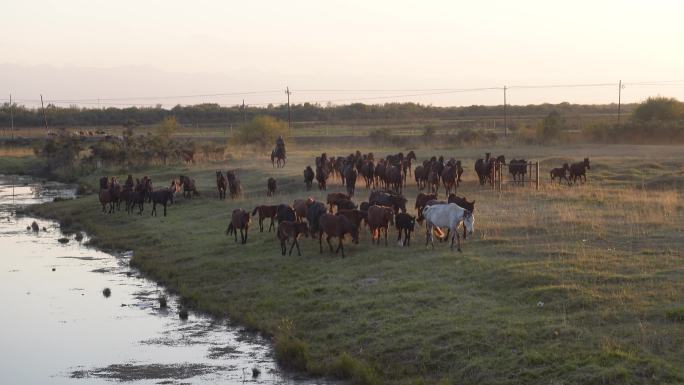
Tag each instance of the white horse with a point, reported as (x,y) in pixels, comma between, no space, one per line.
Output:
(451,216)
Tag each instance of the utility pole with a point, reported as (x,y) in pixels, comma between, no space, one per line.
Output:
(619,101)
(289,115)
(243,112)
(44,116)
(11,118)
(505,114)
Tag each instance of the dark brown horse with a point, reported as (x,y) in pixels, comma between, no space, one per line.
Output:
(163,197)
(239,221)
(379,218)
(321,177)
(287,230)
(221,184)
(579,171)
(234,185)
(336,226)
(308,177)
(333,199)
(421,201)
(189,186)
(271,187)
(561,173)
(265,211)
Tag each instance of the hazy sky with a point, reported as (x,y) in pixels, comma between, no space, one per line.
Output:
(90,49)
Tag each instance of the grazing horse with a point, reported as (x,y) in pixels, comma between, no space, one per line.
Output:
(560,173)
(321,177)
(579,170)
(234,185)
(278,157)
(264,212)
(450,216)
(333,199)
(221,184)
(313,214)
(188,185)
(287,230)
(308,177)
(421,201)
(518,168)
(405,224)
(270,187)
(379,218)
(239,221)
(336,226)
(163,197)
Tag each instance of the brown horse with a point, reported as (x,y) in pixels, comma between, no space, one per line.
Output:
(189,187)
(308,177)
(560,173)
(221,184)
(239,221)
(379,218)
(270,187)
(335,198)
(421,201)
(300,206)
(265,212)
(287,230)
(336,226)
(355,216)
(234,184)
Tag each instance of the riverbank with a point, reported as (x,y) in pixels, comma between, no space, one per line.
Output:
(562,285)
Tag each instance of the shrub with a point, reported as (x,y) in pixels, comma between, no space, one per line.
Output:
(659,108)
(291,352)
(347,367)
(551,126)
(261,131)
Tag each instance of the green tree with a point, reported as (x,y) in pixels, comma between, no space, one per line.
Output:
(659,108)
(261,131)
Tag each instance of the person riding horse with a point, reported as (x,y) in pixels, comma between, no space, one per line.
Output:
(280,146)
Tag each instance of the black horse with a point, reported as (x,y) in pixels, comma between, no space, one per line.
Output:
(162,197)
(579,171)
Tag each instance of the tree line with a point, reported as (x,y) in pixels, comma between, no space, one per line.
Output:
(209,113)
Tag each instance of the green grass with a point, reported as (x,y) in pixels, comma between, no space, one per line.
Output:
(604,258)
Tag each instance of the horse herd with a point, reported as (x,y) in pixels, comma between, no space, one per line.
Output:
(339,216)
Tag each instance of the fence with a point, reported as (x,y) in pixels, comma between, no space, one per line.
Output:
(532,168)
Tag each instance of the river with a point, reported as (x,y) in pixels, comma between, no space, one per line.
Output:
(58,327)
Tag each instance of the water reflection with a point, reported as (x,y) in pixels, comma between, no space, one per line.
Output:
(58,327)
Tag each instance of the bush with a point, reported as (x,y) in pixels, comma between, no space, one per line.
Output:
(551,126)
(261,131)
(659,108)
(291,352)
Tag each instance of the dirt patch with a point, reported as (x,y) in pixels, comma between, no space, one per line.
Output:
(137,372)
(216,352)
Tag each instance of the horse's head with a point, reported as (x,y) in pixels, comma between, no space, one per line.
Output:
(501,159)
(566,166)
(586,163)
(469,221)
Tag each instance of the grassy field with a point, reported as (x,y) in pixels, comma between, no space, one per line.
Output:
(581,285)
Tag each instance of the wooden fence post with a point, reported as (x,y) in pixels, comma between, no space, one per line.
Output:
(537,172)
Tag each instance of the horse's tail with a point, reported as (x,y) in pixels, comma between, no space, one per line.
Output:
(230,229)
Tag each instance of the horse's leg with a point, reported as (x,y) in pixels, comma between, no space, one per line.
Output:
(407,238)
(320,241)
(246,232)
(283,246)
(164,208)
(329,244)
(399,237)
(386,228)
(341,245)
(154,209)
(458,239)
(293,245)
